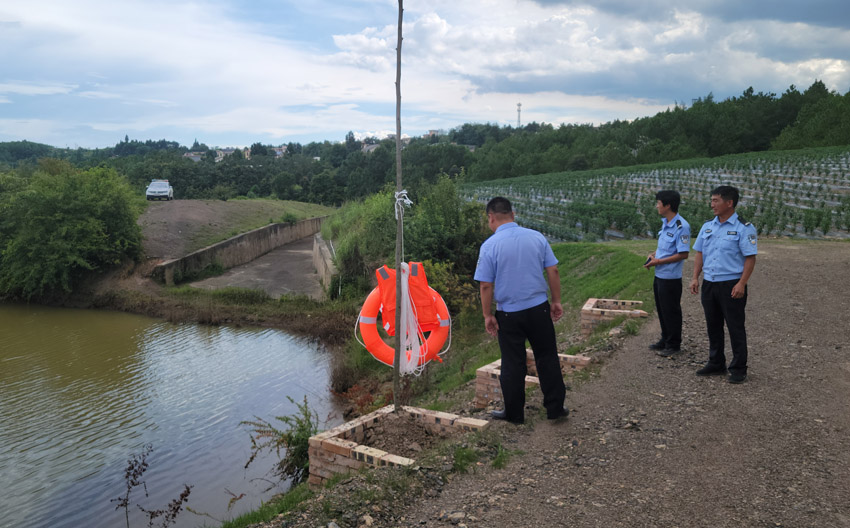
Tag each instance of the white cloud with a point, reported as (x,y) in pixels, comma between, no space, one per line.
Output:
(27,88)
(205,66)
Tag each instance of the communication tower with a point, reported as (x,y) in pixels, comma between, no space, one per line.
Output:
(518,111)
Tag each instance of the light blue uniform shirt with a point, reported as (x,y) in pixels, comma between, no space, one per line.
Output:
(724,247)
(674,238)
(513,259)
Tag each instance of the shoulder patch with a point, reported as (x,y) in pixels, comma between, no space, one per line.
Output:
(684,239)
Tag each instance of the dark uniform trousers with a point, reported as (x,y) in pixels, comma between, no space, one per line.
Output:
(668,304)
(534,324)
(720,307)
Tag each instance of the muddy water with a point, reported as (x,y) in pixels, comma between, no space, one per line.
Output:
(82,391)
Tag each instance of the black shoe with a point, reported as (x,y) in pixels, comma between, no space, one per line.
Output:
(658,346)
(711,370)
(737,377)
(668,352)
(562,414)
(503,415)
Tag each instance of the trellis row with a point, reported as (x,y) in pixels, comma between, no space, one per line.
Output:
(487,387)
(338,450)
(811,183)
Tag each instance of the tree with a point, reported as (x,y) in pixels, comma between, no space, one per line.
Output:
(64,225)
(258,149)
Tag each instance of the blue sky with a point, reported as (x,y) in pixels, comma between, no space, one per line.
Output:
(227,73)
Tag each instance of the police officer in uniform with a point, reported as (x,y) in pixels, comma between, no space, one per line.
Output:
(673,247)
(514,267)
(726,249)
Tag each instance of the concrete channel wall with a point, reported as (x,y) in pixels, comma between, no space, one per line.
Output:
(237,250)
(323,260)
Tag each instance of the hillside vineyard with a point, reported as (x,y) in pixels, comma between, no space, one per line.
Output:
(784,194)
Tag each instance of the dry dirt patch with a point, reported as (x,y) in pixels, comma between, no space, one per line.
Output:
(404,435)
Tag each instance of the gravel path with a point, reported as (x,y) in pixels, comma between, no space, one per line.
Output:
(651,444)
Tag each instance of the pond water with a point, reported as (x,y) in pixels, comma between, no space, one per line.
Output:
(82,391)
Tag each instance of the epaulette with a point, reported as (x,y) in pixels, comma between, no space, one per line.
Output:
(678,223)
(743,221)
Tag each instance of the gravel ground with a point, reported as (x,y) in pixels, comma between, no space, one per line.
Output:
(648,443)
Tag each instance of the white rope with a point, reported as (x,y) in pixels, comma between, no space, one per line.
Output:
(401,201)
(413,347)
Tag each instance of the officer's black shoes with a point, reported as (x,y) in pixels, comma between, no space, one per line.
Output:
(562,415)
(668,352)
(502,415)
(658,346)
(711,369)
(737,377)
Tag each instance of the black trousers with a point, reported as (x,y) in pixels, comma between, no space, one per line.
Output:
(720,307)
(668,304)
(535,325)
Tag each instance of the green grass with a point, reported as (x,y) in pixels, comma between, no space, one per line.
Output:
(268,511)
(464,459)
(604,271)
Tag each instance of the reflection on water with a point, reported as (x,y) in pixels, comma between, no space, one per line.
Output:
(82,391)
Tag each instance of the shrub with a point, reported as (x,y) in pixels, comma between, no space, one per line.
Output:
(293,439)
(59,225)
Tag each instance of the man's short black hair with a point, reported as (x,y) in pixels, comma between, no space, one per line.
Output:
(670,198)
(726,193)
(499,205)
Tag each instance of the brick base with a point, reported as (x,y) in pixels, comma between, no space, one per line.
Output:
(596,311)
(338,450)
(487,388)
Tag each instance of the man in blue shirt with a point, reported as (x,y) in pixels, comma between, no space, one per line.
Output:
(511,268)
(726,249)
(673,247)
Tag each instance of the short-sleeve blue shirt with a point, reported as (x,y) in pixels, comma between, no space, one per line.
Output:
(674,238)
(513,258)
(724,247)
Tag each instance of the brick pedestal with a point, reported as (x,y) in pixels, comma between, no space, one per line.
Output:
(596,311)
(487,388)
(338,450)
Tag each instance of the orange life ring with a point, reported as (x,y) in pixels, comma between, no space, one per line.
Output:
(384,353)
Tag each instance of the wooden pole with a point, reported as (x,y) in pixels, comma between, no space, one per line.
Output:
(399,226)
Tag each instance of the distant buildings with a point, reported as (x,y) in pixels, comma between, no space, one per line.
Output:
(220,154)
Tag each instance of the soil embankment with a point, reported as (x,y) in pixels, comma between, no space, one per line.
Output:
(648,443)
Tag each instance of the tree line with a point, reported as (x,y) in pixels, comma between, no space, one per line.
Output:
(333,172)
